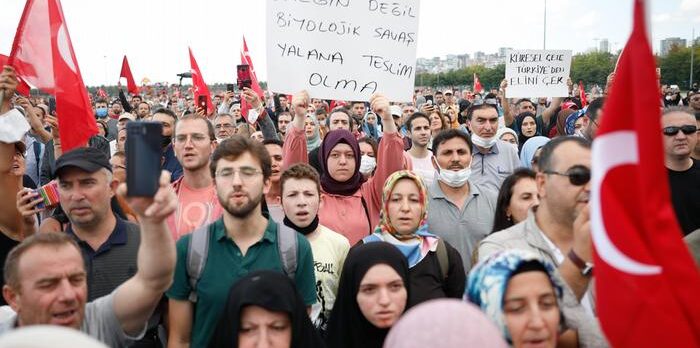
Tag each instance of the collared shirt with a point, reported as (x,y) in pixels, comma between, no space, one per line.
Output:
(114,262)
(225,265)
(491,168)
(462,227)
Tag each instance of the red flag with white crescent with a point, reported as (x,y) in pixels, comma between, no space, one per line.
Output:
(42,54)
(647,285)
(254,85)
(199,88)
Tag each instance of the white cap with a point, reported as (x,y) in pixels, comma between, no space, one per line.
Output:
(395,110)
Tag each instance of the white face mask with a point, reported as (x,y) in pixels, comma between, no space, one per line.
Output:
(367,164)
(454,178)
(486,143)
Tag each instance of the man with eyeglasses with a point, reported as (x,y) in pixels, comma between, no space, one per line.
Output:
(493,159)
(558,229)
(594,112)
(241,241)
(224,126)
(197,205)
(680,134)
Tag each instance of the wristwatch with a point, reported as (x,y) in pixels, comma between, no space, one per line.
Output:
(585,267)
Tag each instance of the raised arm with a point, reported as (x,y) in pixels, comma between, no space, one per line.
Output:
(508,117)
(390,153)
(294,149)
(267,127)
(135,300)
(34,121)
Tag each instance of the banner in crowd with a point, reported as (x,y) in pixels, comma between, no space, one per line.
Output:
(342,49)
(537,73)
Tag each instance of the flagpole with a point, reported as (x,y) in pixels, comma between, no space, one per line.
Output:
(692,58)
(544,30)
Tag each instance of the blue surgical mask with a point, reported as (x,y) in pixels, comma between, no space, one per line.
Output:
(101,112)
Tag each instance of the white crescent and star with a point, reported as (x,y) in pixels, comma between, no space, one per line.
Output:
(611,150)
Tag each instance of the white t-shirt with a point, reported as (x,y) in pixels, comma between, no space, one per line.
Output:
(424,168)
(329,249)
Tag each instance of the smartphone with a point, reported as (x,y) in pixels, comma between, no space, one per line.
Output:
(429,98)
(202,102)
(244,80)
(49,193)
(229,87)
(52,106)
(143,157)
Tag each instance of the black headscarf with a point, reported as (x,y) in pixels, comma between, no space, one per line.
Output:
(348,327)
(519,127)
(273,291)
(329,184)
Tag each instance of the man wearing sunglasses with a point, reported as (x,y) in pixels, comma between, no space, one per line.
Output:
(680,134)
(558,229)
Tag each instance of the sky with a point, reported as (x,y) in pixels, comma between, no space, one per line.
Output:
(155,34)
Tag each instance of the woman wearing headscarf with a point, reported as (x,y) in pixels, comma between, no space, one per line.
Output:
(524,296)
(312,132)
(526,127)
(265,305)
(350,204)
(372,295)
(404,223)
(370,126)
(444,323)
(508,135)
(529,149)
(561,123)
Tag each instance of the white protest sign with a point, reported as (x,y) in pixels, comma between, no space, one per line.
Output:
(342,49)
(537,73)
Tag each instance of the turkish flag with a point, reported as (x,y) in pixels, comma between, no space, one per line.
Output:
(477,84)
(254,85)
(42,54)
(22,88)
(126,73)
(582,94)
(199,88)
(647,285)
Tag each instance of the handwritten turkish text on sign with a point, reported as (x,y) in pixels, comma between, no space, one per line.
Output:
(537,73)
(342,49)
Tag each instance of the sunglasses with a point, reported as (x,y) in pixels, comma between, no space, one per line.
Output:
(490,101)
(673,130)
(578,175)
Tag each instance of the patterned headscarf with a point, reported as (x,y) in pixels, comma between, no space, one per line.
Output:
(488,281)
(571,121)
(421,241)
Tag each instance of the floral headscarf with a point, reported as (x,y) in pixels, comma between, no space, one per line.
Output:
(488,280)
(421,241)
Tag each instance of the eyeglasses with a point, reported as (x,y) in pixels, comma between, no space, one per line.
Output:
(490,101)
(196,138)
(578,175)
(673,130)
(246,173)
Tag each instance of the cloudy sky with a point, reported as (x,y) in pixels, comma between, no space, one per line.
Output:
(154,34)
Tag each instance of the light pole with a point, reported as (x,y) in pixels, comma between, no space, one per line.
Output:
(544,31)
(692,58)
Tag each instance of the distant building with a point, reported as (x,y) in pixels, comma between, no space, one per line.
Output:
(503,51)
(669,43)
(604,46)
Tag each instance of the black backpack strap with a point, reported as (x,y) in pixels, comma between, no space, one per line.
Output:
(197,250)
(443,259)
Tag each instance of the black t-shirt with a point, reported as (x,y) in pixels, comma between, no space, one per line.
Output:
(685,195)
(6,245)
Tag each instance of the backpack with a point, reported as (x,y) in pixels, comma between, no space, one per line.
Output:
(440,251)
(198,248)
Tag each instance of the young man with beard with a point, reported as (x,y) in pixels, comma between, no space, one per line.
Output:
(241,241)
(197,205)
(418,126)
(301,194)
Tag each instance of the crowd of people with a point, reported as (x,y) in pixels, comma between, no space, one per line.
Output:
(460,218)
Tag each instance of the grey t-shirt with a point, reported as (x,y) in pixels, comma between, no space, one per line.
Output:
(100,322)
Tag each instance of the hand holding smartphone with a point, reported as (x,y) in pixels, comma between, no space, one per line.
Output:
(143,158)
